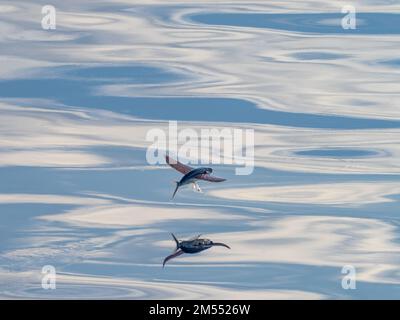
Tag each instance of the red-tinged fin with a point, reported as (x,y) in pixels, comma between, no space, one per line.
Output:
(210,178)
(171,256)
(182,168)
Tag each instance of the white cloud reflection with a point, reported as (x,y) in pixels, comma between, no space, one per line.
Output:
(134,215)
(337,194)
(41,137)
(26,284)
(367,244)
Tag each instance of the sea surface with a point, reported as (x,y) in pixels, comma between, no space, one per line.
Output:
(77,192)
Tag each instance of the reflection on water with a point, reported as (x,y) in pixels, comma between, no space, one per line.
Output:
(76,191)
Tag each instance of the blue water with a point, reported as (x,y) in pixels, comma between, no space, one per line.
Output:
(331,153)
(325,23)
(81,92)
(77,192)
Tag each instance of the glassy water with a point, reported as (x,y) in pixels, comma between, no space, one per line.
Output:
(77,193)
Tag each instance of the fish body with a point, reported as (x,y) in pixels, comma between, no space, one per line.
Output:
(191,177)
(192,246)
(195,246)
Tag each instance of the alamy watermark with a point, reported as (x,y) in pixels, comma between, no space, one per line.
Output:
(49,278)
(232,146)
(349,280)
(49,17)
(349,21)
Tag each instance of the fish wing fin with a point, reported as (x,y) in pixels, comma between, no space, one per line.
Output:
(171,256)
(210,178)
(178,166)
(220,244)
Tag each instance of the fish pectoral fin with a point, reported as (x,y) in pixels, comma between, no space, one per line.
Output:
(171,256)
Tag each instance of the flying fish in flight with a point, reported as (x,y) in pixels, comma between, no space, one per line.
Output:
(191,175)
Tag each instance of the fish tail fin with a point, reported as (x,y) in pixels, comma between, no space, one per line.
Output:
(176,189)
(176,241)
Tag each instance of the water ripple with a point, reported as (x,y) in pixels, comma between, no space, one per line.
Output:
(77,192)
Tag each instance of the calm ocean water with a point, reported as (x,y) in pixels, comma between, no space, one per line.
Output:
(77,193)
